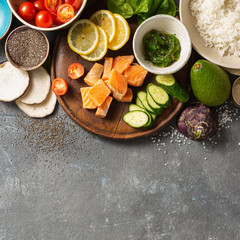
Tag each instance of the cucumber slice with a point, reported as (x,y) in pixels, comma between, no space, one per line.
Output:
(154,116)
(169,84)
(159,95)
(133,107)
(136,118)
(166,80)
(142,96)
(156,108)
(139,103)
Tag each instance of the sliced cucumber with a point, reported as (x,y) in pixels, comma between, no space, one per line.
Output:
(154,117)
(159,95)
(156,108)
(136,118)
(139,103)
(142,96)
(169,84)
(166,80)
(133,107)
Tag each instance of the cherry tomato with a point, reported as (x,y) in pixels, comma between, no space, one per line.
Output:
(39,5)
(52,5)
(59,86)
(75,3)
(44,19)
(56,21)
(65,12)
(75,70)
(27,11)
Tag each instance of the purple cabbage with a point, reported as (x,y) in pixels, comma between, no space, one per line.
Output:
(197,122)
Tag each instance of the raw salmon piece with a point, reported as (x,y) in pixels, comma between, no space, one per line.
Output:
(117,83)
(103,109)
(127,97)
(94,74)
(121,63)
(107,68)
(86,100)
(106,83)
(135,75)
(99,92)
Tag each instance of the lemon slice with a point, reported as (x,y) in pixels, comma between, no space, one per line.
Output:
(101,49)
(122,33)
(106,20)
(83,37)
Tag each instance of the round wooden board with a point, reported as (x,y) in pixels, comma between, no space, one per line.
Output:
(112,126)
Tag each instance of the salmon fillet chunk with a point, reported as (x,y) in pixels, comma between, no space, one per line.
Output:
(127,97)
(86,100)
(103,109)
(99,92)
(107,68)
(117,83)
(135,75)
(94,74)
(121,63)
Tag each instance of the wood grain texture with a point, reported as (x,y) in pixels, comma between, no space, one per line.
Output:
(112,126)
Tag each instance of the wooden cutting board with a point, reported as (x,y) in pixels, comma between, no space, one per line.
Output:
(112,126)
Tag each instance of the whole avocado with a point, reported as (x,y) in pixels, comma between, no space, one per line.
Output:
(210,83)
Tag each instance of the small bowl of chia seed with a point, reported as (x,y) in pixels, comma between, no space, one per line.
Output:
(26,48)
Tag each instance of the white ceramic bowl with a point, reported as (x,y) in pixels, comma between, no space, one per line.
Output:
(13,4)
(198,42)
(165,24)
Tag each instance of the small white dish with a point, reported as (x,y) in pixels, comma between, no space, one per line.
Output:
(198,42)
(165,24)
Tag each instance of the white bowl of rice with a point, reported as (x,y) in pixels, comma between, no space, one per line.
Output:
(214,29)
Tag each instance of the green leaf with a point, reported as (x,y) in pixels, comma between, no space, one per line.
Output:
(143,6)
(167,7)
(121,7)
(155,5)
(128,8)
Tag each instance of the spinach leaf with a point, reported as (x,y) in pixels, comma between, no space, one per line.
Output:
(121,7)
(155,5)
(143,6)
(167,7)
(128,8)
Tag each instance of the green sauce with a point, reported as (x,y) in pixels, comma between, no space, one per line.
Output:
(162,49)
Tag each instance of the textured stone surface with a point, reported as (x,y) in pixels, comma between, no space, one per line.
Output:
(59,182)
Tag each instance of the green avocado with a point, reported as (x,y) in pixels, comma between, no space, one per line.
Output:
(210,83)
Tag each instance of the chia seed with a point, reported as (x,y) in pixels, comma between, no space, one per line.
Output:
(27,47)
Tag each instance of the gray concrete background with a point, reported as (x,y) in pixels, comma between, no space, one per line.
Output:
(59,182)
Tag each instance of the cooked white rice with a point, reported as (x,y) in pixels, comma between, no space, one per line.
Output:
(218,22)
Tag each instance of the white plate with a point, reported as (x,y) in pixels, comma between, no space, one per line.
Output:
(198,42)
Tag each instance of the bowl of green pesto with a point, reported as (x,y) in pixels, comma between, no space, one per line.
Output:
(162,45)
